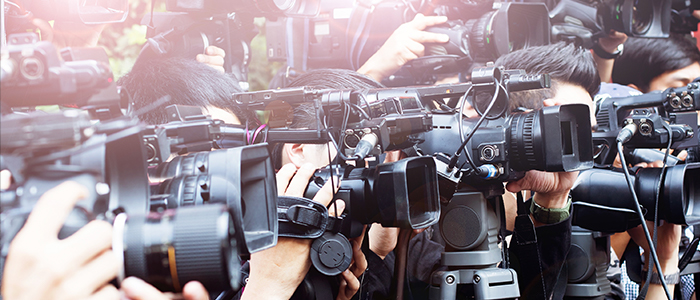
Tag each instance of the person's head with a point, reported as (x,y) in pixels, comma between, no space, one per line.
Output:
(573,71)
(187,82)
(657,64)
(304,116)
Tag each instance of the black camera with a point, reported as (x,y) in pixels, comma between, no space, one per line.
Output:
(399,194)
(507,144)
(346,34)
(586,21)
(240,178)
(597,208)
(34,74)
(657,117)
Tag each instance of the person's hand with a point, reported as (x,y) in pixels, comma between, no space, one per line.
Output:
(136,289)
(40,266)
(349,281)
(69,34)
(214,58)
(610,42)
(275,273)
(404,44)
(551,188)
(653,164)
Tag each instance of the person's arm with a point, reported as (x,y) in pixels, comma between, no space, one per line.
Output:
(40,266)
(667,251)
(609,45)
(404,44)
(275,273)
(540,266)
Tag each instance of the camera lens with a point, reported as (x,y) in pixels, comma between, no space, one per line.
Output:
(642,16)
(174,247)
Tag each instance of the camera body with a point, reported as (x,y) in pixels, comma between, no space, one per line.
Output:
(650,112)
(507,144)
(586,21)
(34,74)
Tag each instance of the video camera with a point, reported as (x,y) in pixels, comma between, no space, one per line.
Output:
(44,149)
(586,21)
(659,117)
(191,26)
(507,144)
(346,33)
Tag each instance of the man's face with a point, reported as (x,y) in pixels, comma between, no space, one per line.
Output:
(676,78)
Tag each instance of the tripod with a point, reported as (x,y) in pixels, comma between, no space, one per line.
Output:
(587,265)
(470,225)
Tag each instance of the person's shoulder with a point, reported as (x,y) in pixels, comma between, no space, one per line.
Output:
(614,90)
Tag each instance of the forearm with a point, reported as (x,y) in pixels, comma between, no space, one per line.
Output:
(605,68)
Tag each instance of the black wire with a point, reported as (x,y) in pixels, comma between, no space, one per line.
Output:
(640,214)
(478,123)
(658,195)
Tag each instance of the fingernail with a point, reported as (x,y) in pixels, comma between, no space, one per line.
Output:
(444,38)
(200,57)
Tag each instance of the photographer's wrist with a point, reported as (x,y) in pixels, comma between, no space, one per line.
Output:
(552,199)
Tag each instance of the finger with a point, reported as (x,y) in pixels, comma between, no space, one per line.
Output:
(656,164)
(420,21)
(5,179)
(283,176)
(353,285)
(219,69)
(325,194)
(87,242)
(92,276)
(194,290)
(514,186)
(137,289)
(683,155)
(337,206)
(45,28)
(360,264)
(416,49)
(214,61)
(215,51)
(300,181)
(53,207)
(429,37)
(107,292)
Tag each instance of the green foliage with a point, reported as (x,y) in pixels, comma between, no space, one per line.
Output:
(123,41)
(260,71)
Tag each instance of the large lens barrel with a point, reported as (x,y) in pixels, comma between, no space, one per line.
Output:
(241,177)
(638,18)
(399,194)
(174,247)
(553,139)
(603,202)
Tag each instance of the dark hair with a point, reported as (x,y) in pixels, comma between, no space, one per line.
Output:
(565,63)
(186,81)
(645,59)
(304,115)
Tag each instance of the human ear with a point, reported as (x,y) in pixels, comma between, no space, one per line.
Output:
(294,153)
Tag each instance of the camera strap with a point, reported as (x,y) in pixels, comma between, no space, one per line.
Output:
(302,218)
(525,240)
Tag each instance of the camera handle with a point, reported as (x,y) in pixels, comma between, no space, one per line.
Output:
(470,226)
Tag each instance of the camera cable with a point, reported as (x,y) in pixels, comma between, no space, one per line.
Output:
(645,288)
(455,157)
(625,135)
